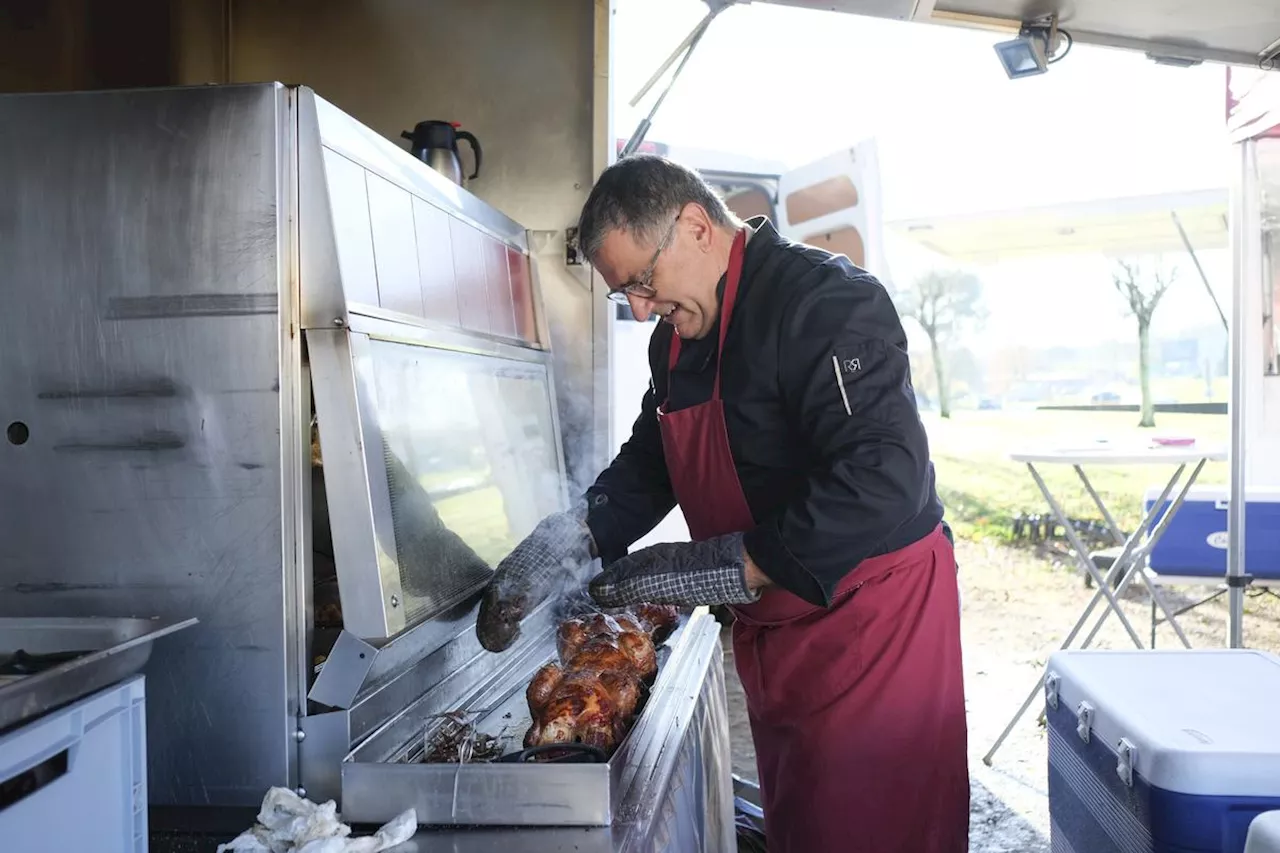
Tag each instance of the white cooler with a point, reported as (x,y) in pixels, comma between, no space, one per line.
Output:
(1264,834)
(1161,751)
(76,779)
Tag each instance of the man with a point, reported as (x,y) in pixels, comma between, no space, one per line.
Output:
(781,419)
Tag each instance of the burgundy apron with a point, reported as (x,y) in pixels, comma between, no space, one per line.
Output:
(857,710)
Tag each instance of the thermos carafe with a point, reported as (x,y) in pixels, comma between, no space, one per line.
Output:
(436,144)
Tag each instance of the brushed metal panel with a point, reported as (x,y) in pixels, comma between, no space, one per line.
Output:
(394,246)
(435,263)
(344,134)
(352,228)
(295,434)
(502,317)
(469,277)
(343,671)
(355,484)
(326,739)
(388,327)
(522,298)
(321,296)
(141,345)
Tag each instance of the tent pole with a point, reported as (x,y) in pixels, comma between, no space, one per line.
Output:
(1245,229)
(1186,241)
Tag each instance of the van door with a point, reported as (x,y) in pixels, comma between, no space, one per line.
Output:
(834,203)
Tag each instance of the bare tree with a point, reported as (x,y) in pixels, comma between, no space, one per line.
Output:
(944,303)
(1143,289)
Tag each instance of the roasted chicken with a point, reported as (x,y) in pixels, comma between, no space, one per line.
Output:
(592,693)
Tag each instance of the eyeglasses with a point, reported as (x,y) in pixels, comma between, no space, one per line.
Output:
(642,285)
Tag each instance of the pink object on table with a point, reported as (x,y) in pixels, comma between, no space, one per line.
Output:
(1173,441)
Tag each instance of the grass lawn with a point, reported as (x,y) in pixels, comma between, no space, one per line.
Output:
(984,490)
(479,518)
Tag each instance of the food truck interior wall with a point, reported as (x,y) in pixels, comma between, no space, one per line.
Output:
(530,80)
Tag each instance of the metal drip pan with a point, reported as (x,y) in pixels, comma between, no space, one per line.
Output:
(515,787)
(48,662)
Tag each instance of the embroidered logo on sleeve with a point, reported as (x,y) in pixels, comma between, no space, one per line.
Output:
(851,363)
(856,361)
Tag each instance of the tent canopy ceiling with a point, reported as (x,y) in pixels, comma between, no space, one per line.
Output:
(1124,226)
(1232,31)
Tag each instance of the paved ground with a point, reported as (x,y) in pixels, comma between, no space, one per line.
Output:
(1018,606)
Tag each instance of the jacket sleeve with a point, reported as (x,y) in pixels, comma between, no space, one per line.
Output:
(633,494)
(846,385)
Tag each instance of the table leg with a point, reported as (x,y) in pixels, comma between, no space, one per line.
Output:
(1082,556)
(1131,554)
(1104,589)
(1116,534)
(1138,559)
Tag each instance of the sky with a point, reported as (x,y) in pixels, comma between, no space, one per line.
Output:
(954,134)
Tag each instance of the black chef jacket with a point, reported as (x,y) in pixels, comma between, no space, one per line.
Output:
(827,485)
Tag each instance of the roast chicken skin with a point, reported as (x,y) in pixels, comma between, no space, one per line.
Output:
(590,696)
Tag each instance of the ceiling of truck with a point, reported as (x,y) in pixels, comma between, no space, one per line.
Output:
(1231,31)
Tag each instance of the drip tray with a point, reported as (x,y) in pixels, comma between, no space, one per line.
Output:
(510,786)
(46,663)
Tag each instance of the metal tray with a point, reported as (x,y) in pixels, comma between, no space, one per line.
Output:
(378,782)
(114,650)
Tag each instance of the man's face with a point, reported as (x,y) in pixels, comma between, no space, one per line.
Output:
(674,277)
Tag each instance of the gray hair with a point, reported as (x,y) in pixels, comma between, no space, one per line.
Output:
(640,195)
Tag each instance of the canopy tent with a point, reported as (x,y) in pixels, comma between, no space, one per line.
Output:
(1197,220)
(1147,224)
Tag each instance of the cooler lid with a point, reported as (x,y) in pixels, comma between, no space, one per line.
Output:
(1202,721)
(1213,492)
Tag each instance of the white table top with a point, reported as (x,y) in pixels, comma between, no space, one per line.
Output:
(1106,453)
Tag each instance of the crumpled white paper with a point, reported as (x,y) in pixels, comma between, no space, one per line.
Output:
(288,823)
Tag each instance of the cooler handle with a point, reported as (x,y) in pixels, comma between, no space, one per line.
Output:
(1126,756)
(25,783)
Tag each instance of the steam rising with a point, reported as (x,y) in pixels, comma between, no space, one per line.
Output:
(555,559)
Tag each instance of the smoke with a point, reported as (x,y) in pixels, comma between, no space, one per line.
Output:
(575,311)
(584,424)
(553,560)
(570,594)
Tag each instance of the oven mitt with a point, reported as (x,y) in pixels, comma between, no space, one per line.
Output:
(558,547)
(550,559)
(681,573)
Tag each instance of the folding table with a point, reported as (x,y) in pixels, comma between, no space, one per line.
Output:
(1134,549)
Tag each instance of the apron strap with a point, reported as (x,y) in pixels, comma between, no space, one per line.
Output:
(732,278)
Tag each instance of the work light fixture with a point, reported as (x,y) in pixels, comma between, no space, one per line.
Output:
(1035,48)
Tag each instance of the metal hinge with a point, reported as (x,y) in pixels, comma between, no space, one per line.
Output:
(1084,720)
(1051,683)
(1126,757)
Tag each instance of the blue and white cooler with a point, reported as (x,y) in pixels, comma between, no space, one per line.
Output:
(1194,546)
(1161,751)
